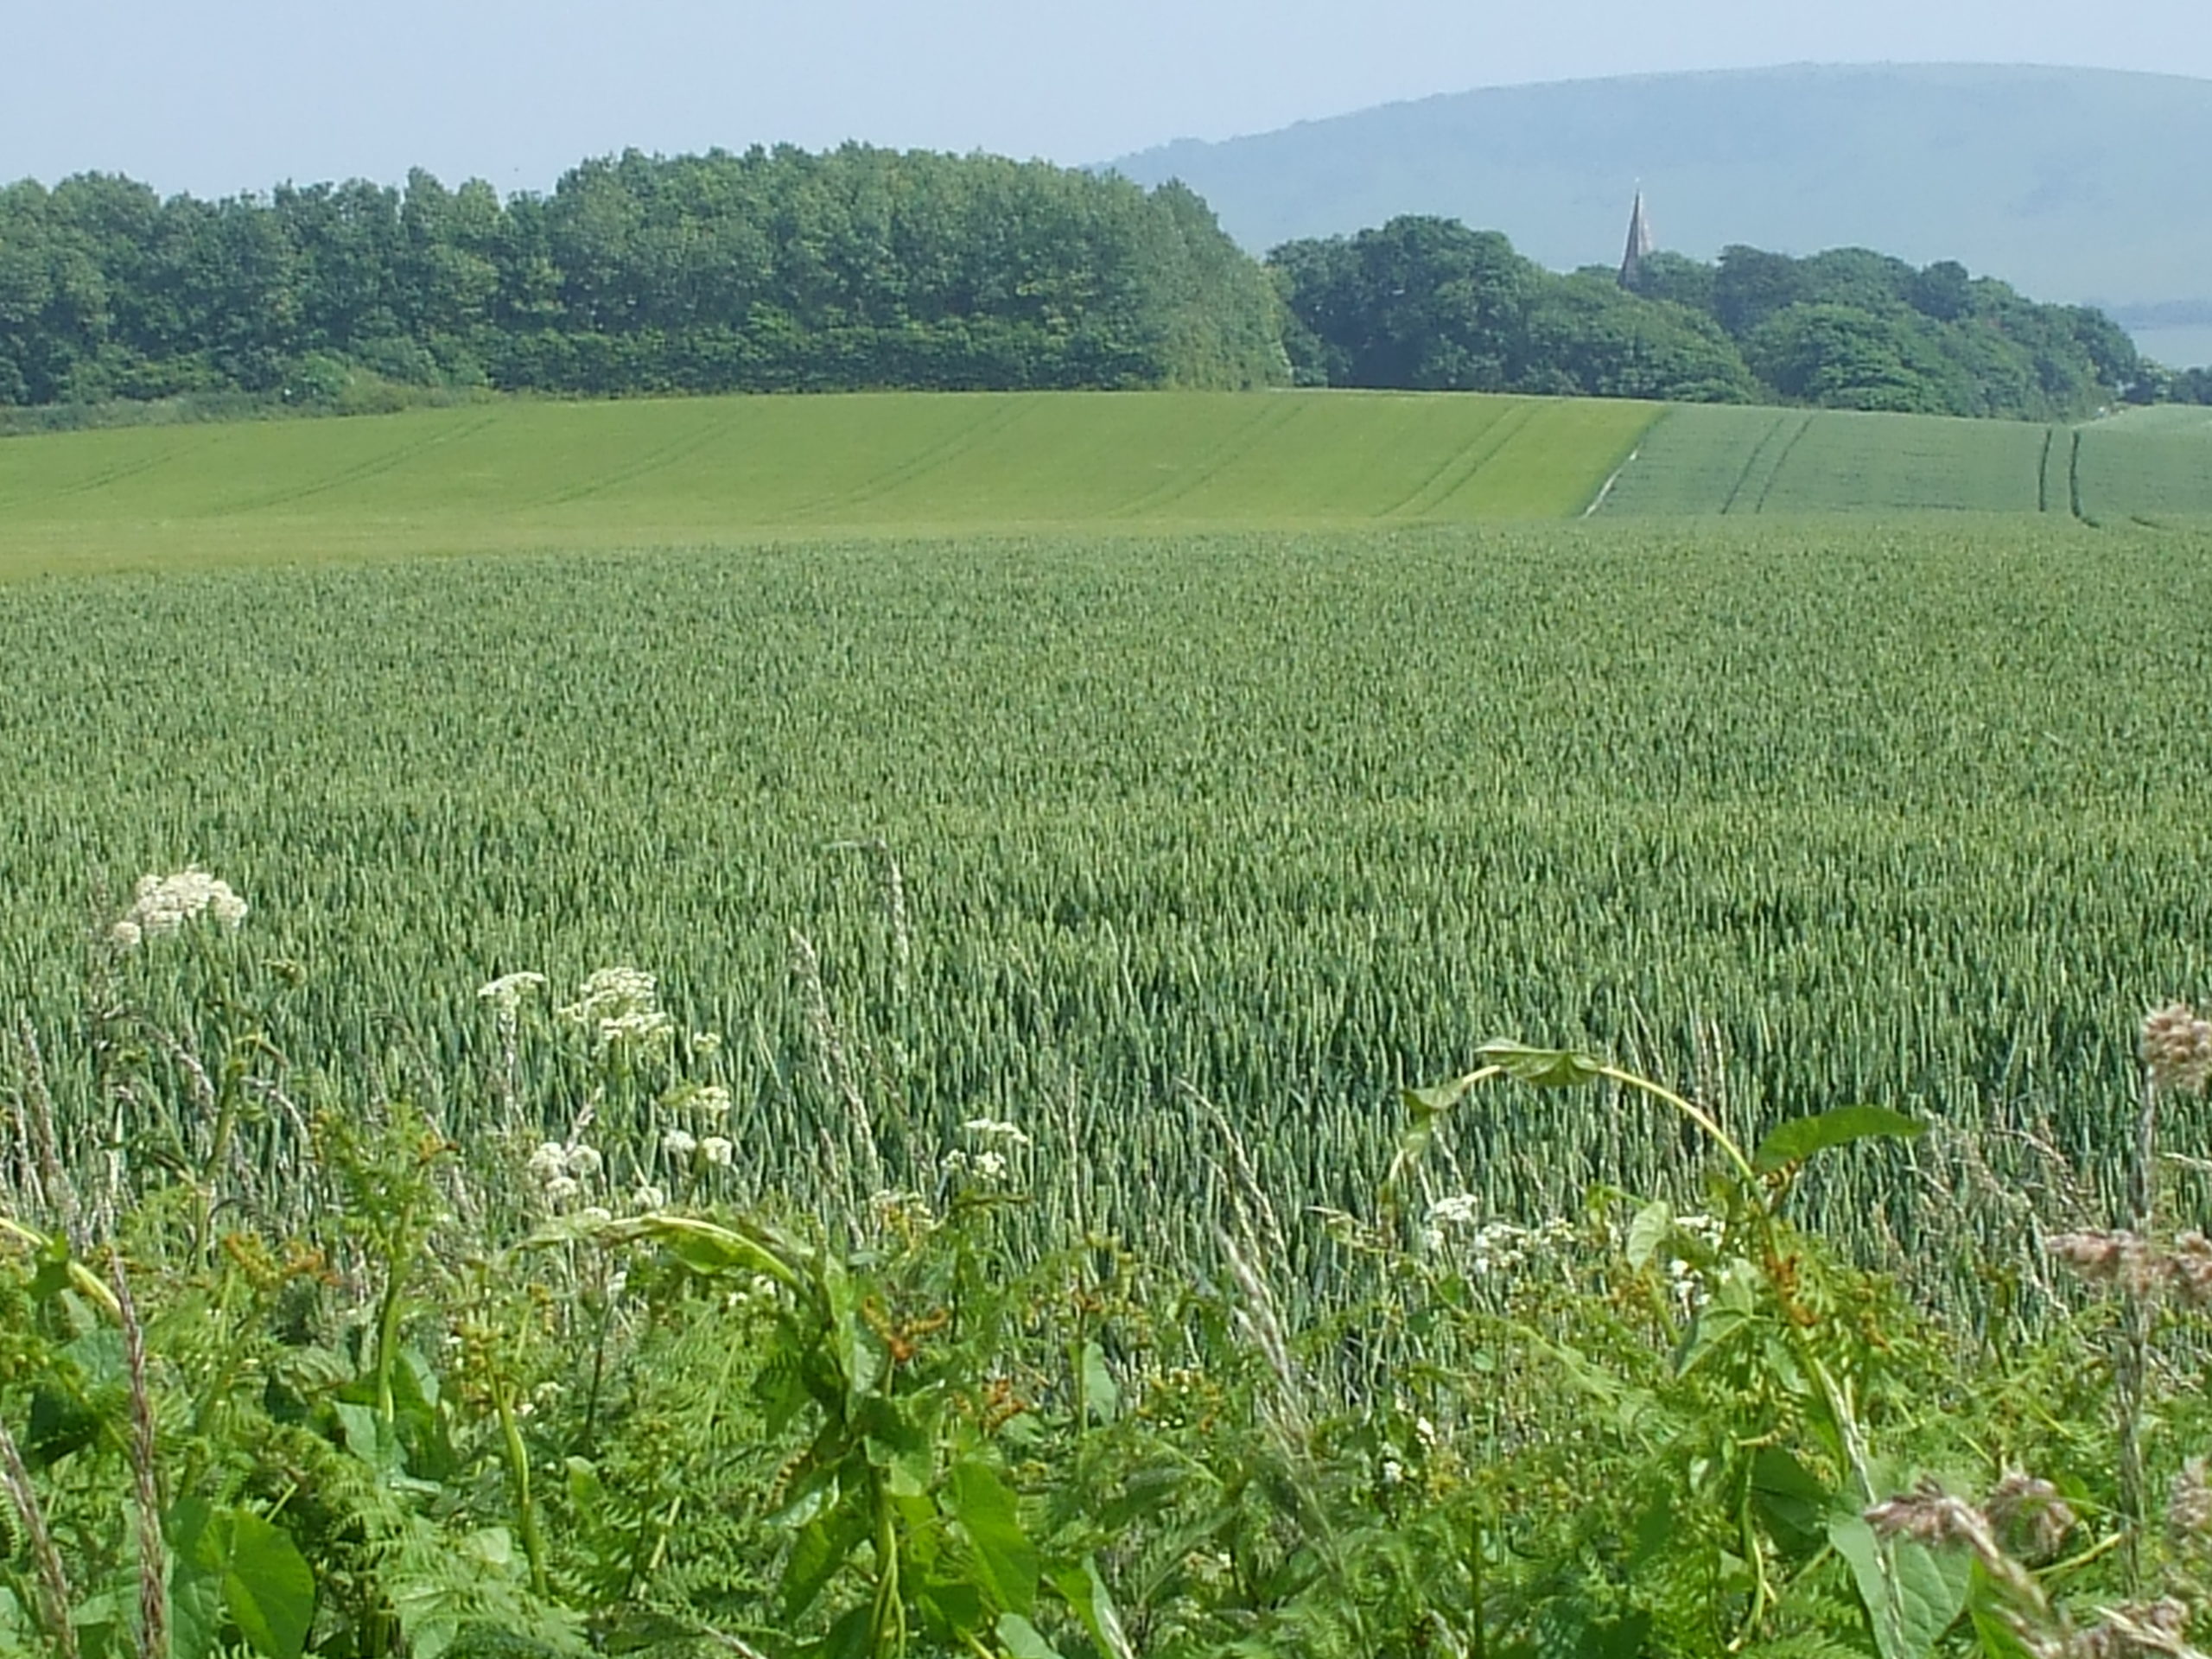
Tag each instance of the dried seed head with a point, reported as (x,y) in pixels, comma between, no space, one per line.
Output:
(2124,1259)
(2176,1048)
(2030,1515)
(2095,1255)
(2134,1632)
(2189,1268)
(2189,1513)
(1928,1515)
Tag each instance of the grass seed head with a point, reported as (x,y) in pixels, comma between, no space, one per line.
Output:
(2176,1049)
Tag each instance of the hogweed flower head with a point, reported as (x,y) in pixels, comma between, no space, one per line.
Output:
(984,1165)
(679,1143)
(505,993)
(620,1007)
(991,1128)
(2176,1049)
(161,906)
(548,1162)
(717,1151)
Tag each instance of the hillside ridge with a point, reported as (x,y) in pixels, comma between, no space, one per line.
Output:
(2078,185)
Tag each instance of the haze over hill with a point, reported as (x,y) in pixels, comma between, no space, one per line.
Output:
(2073,185)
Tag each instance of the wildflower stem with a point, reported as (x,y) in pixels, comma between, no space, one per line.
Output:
(517,1456)
(1720,1136)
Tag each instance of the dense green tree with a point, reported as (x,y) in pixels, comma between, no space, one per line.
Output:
(772,270)
(1849,328)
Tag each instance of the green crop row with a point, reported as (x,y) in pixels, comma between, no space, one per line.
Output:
(1280,823)
(1706,460)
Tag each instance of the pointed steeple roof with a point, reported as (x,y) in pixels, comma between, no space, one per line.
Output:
(1639,241)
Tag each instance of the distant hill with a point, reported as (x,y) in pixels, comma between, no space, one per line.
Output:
(2073,185)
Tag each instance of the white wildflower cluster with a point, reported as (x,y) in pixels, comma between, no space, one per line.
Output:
(1491,1247)
(1686,1279)
(762,1292)
(711,1103)
(620,1007)
(161,905)
(986,1160)
(682,1147)
(504,994)
(994,1130)
(564,1173)
(987,1166)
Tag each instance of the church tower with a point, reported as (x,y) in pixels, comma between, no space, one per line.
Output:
(1639,243)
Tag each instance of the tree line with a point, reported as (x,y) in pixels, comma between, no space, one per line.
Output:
(782,270)
(770,270)
(1429,302)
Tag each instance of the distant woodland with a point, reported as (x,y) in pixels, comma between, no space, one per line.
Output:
(1429,302)
(782,270)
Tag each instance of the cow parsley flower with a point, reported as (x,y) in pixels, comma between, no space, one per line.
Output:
(550,1161)
(986,1166)
(649,1196)
(161,906)
(679,1143)
(717,1151)
(989,1128)
(505,993)
(620,1007)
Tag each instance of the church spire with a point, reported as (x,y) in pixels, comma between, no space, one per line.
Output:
(1639,243)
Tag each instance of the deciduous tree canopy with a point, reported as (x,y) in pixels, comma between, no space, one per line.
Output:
(1429,302)
(772,269)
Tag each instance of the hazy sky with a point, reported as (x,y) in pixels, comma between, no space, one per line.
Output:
(215,96)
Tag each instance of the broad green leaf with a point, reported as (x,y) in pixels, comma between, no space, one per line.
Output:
(230,1565)
(822,1548)
(1911,1594)
(850,1637)
(1733,1305)
(1801,1137)
(1546,1068)
(1006,1560)
(1021,1640)
(1084,1589)
(195,1590)
(1793,1505)
(1425,1105)
(268,1586)
(1650,1228)
(1102,1395)
(898,1446)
